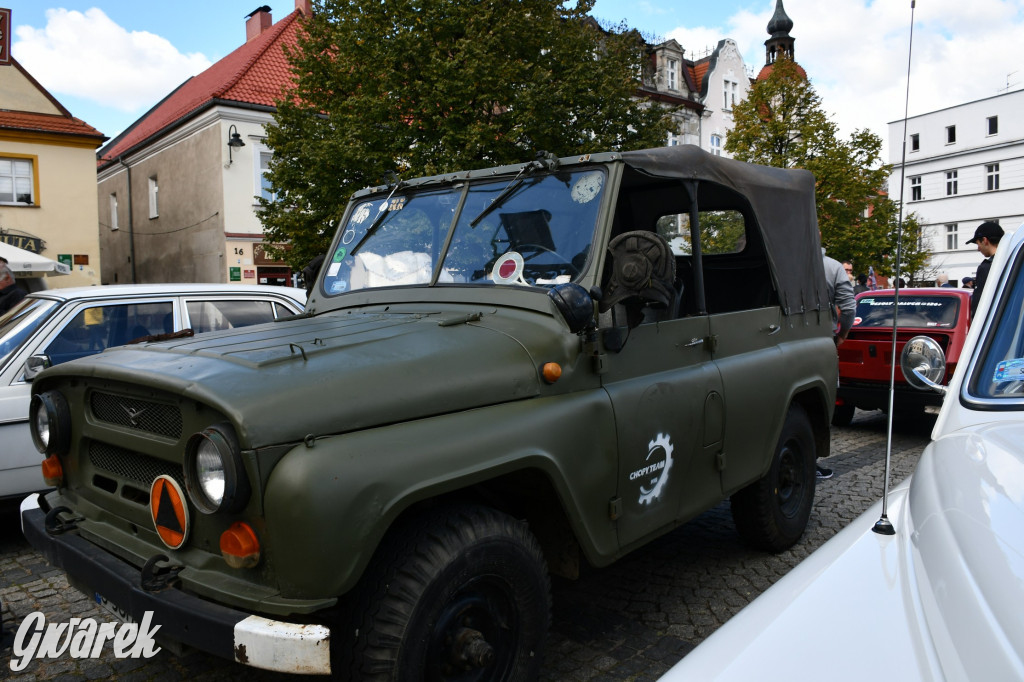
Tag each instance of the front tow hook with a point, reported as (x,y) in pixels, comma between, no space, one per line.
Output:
(156,578)
(57,526)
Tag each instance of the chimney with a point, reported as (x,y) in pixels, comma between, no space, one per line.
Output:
(257,22)
(304,7)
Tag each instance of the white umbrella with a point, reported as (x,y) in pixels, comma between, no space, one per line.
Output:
(27,264)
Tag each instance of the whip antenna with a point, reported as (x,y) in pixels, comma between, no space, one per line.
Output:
(883,525)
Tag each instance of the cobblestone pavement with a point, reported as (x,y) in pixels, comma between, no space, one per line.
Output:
(630,621)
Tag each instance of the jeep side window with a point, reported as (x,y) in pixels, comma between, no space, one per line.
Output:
(720,232)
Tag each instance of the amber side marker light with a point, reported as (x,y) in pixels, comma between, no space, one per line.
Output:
(551,371)
(53,472)
(239,546)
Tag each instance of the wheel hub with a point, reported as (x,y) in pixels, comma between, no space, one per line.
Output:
(470,649)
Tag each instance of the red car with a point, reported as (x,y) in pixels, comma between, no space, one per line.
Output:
(865,358)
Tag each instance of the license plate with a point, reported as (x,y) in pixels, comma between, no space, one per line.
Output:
(112,608)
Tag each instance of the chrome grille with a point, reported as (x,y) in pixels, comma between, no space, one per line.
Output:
(144,415)
(132,466)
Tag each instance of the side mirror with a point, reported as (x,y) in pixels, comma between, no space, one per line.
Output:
(574,304)
(36,364)
(924,364)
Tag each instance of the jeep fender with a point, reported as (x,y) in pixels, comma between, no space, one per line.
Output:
(327,506)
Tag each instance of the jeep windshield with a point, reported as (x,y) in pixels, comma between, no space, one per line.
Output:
(537,232)
(915,311)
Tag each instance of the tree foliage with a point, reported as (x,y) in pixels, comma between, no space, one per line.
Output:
(423,87)
(782,124)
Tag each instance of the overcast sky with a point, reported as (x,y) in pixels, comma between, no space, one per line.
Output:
(108,61)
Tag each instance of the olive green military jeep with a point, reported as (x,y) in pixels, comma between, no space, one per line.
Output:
(500,374)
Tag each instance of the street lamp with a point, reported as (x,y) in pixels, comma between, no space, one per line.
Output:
(234,141)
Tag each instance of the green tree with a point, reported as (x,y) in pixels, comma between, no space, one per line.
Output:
(423,88)
(782,124)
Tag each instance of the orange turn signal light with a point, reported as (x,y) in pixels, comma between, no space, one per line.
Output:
(239,546)
(551,371)
(53,472)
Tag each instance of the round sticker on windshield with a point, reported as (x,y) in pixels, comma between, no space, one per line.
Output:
(361,214)
(587,187)
(508,269)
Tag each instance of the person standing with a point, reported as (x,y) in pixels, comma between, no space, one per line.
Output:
(848,269)
(987,238)
(843,308)
(862,284)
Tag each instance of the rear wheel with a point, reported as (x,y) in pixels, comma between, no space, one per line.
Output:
(772,512)
(462,594)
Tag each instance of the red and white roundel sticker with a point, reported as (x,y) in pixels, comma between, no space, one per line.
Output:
(508,269)
(169,509)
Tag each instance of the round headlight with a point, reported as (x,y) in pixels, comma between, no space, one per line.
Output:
(50,423)
(210,471)
(214,475)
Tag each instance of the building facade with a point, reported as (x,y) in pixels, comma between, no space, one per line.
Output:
(964,165)
(178,191)
(705,90)
(47,173)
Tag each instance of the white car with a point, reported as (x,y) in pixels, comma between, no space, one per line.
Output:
(943,597)
(58,325)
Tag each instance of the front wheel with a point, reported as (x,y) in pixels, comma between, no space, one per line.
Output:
(462,594)
(772,512)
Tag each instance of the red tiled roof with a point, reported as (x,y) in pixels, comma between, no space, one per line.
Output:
(47,123)
(766,71)
(255,73)
(700,69)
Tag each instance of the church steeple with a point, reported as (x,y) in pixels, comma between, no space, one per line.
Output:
(780,42)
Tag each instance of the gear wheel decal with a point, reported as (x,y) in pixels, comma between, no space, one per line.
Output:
(660,447)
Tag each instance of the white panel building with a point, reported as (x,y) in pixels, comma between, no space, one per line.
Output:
(964,165)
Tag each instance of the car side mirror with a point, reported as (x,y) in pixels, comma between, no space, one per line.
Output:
(924,364)
(36,364)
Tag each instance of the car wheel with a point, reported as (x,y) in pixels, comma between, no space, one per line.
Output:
(463,594)
(843,415)
(771,513)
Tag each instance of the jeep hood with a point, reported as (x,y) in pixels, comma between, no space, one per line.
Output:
(332,373)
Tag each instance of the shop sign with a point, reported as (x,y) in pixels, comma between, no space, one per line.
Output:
(235,274)
(22,241)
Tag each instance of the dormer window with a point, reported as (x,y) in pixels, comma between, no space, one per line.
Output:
(673,74)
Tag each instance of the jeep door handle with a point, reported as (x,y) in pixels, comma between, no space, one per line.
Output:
(693,342)
(773,329)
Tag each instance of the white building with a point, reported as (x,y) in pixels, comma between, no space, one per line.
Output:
(724,83)
(705,89)
(964,165)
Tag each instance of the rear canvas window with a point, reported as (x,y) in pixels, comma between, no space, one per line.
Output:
(915,311)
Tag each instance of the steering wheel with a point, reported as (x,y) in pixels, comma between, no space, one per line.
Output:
(540,248)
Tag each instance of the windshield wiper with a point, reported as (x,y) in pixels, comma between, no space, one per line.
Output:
(382,212)
(510,189)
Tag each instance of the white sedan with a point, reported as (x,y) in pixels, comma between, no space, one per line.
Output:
(943,597)
(59,325)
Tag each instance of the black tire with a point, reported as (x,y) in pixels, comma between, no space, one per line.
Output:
(843,415)
(772,512)
(465,584)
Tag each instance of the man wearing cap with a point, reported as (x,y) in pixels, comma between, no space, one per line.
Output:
(987,238)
